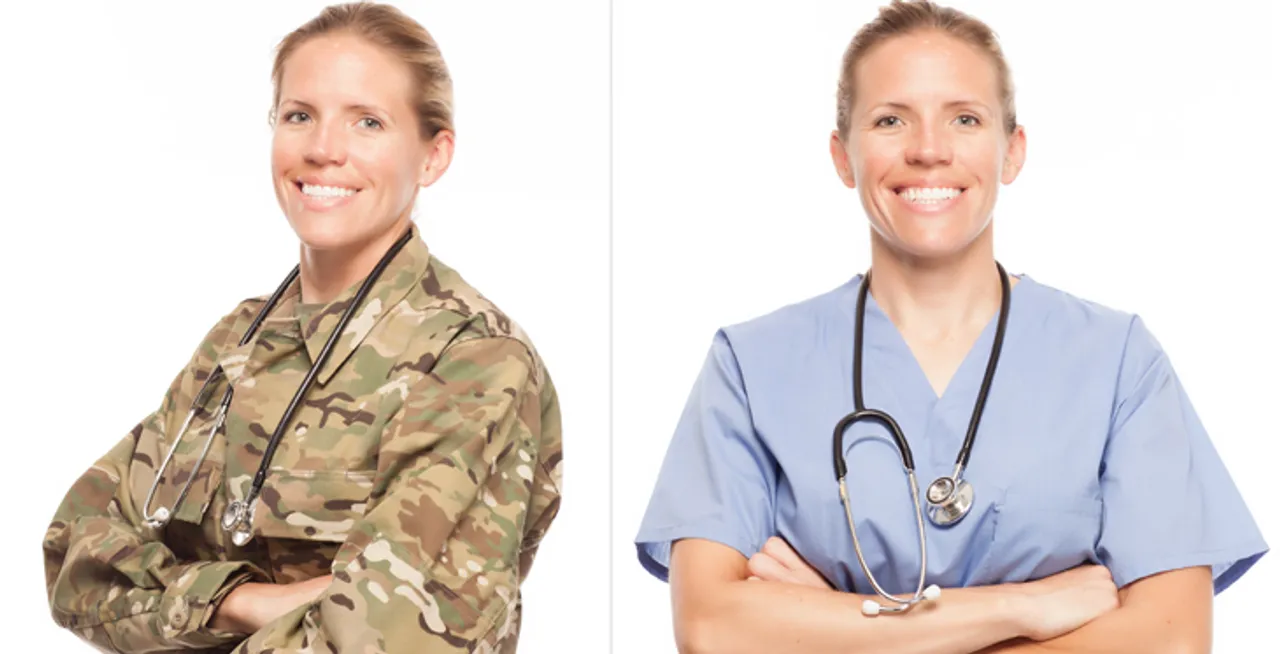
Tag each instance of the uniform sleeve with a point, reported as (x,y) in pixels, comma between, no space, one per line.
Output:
(717,480)
(110,579)
(433,565)
(1168,500)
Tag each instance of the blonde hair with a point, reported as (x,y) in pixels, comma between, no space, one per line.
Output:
(904,17)
(386,27)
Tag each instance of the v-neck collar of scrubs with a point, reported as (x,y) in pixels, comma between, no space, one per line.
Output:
(950,412)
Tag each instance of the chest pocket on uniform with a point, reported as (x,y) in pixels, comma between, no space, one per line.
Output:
(1041,530)
(320,505)
(303,517)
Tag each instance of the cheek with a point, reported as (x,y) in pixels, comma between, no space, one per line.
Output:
(984,159)
(871,162)
(284,154)
(391,169)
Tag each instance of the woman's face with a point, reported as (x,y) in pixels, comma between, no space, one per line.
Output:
(346,158)
(926,148)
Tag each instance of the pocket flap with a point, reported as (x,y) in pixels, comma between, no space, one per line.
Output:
(319,505)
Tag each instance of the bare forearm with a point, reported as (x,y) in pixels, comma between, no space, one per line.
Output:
(1166,613)
(762,616)
(1127,630)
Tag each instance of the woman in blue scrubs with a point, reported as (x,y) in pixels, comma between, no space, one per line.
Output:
(1102,518)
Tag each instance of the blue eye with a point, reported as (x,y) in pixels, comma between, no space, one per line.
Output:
(972,120)
(371,123)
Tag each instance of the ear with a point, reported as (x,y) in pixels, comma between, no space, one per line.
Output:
(1015,156)
(439,156)
(840,157)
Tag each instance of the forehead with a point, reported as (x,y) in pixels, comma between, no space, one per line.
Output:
(345,69)
(926,67)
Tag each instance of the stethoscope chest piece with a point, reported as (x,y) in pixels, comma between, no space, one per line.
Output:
(238,519)
(949,502)
(232,515)
(241,535)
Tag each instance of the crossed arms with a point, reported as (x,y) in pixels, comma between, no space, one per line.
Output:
(774,602)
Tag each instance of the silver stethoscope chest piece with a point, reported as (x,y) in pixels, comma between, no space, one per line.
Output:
(949,502)
(243,529)
(233,515)
(949,499)
(237,518)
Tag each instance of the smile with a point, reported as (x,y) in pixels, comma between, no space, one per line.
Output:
(929,196)
(317,191)
(324,197)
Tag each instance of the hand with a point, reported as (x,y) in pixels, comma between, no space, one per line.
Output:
(249,607)
(776,561)
(1066,601)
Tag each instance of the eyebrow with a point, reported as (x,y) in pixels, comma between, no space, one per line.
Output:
(359,108)
(950,105)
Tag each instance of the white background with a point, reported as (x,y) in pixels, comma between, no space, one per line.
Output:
(1149,187)
(139,210)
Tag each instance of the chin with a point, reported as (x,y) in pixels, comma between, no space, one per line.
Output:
(933,245)
(930,253)
(326,234)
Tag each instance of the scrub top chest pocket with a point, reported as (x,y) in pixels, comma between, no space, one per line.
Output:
(1045,489)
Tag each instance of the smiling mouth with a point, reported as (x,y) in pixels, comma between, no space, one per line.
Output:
(930,195)
(324,192)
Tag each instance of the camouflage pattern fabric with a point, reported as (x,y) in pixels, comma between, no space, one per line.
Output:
(422,470)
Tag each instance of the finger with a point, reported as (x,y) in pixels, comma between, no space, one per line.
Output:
(811,578)
(769,569)
(801,571)
(779,550)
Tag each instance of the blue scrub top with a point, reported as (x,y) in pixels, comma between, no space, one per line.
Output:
(1088,451)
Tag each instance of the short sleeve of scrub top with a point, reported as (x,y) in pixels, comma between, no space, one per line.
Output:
(1089,451)
(717,479)
(1168,501)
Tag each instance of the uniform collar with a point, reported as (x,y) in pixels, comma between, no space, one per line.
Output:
(317,321)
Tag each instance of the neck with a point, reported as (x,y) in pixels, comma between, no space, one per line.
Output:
(937,300)
(325,274)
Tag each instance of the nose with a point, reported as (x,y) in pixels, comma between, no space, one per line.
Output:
(929,146)
(327,145)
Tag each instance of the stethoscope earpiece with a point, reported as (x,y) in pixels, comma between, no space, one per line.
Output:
(872,608)
(160,519)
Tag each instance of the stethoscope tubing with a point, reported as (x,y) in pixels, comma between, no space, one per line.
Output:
(861,412)
(239,513)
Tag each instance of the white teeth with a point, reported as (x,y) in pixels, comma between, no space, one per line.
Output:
(928,195)
(326,191)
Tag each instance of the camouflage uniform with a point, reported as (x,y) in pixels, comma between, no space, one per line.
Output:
(422,470)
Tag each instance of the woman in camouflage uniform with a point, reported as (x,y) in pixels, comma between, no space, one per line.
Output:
(407,490)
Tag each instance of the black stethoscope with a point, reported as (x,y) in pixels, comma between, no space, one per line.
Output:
(950,498)
(238,516)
